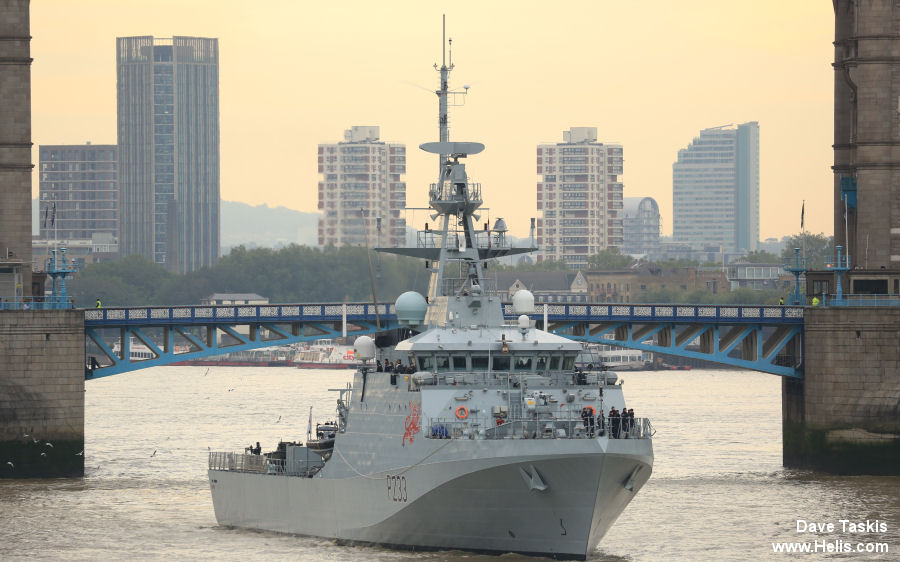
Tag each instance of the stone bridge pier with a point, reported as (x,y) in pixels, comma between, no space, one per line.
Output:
(844,416)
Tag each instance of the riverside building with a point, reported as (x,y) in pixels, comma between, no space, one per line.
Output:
(362,194)
(579,197)
(715,185)
(78,191)
(168,131)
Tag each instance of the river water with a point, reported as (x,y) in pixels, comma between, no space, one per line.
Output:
(718,490)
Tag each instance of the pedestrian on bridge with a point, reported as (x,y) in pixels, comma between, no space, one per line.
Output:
(99,305)
(781,301)
(815,301)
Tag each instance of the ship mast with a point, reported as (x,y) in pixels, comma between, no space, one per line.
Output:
(455,251)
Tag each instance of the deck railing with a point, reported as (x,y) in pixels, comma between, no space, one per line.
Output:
(259,464)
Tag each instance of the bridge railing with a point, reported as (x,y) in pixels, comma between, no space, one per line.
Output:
(235,313)
(35,303)
(671,312)
(861,300)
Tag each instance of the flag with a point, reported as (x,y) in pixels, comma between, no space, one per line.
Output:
(53,216)
(802,212)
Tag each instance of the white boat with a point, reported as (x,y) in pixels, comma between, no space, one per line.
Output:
(325,355)
(606,356)
(485,447)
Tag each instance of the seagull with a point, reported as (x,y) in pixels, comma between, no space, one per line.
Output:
(11,465)
(49,444)
(206,373)
(80,454)
(26,435)
(230,389)
(35,439)
(154,453)
(43,454)
(278,420)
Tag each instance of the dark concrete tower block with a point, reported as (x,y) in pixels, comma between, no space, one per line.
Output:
(15,144)
(867,131)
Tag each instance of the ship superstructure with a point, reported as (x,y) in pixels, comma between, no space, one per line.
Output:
(489,439)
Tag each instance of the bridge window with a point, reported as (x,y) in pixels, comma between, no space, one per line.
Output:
(479,363)
(523,363)
(443,363)
(554,362)
(569,363)
(426,363)
(541,365)
(501,363)
(459,362)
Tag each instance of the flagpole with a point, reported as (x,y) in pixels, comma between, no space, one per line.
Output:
(803,233)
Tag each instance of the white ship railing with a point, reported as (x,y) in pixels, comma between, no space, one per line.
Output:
(513,379)
(559,427)
(238,462)
(259,464)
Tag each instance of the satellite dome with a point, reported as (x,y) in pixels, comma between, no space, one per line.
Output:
(500,225)
(523,302)
(410,308)
(524,322)
(364,348)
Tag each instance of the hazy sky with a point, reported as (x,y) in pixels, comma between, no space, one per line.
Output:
(648,74)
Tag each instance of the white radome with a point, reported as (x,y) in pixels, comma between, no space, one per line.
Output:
(364,348)
(523,302)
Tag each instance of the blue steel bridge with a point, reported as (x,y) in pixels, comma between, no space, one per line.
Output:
(762,338)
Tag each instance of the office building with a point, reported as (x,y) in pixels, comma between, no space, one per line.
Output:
(640,223)
(715,185)
(579,197)
(362,194)
(78,191)
(168,131)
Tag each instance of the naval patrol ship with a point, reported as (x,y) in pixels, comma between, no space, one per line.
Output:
(485,445)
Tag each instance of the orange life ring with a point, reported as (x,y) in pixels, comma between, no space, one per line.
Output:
(591,408)
(462,412)
(500,421)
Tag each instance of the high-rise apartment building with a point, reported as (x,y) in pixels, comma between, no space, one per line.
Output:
(640,221)
(168,130)
(715,185)
(362,194)
(579,196)
(78,191)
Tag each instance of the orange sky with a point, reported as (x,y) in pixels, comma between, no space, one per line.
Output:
(647,74)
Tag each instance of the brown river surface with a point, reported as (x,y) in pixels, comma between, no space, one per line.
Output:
(718,490)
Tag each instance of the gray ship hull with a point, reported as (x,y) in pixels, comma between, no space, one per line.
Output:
(492,504)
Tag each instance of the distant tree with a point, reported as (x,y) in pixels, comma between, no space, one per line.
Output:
(818,247)
(544,265)
(290,274)
(761,256)
(609,259)
(676,264)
